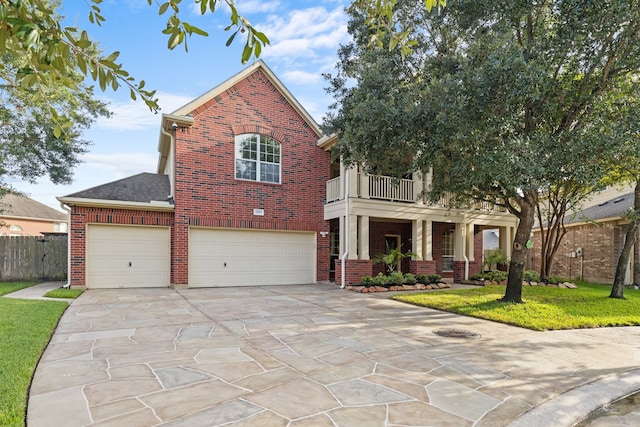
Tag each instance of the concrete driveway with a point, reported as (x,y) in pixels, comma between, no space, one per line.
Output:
(313,356)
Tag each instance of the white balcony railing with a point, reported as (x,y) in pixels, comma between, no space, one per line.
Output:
(394,189)
(333,190)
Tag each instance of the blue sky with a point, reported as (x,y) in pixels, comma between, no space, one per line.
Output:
(305,36)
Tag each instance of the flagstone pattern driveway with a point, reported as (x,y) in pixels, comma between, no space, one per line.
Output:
(302,356)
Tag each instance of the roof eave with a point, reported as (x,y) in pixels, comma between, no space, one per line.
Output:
(166,127)
(117,204)
(327,142)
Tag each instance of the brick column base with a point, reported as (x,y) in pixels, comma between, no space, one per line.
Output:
(355,269)
(422,267)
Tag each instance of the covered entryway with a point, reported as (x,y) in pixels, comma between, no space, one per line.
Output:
(120,256)
(231,257)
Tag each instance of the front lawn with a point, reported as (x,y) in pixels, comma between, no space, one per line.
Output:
(25,329)
(543,309)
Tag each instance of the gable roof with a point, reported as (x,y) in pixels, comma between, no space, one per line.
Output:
(230,82)
(18,206)
(610,209)
(147,190)
(182,116)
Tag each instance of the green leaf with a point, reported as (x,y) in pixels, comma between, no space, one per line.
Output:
(57,131)
(163,8)
(230,40)
(246,53)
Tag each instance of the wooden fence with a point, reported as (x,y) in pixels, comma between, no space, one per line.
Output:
(33,258)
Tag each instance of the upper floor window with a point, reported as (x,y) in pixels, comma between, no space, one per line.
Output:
(257,158)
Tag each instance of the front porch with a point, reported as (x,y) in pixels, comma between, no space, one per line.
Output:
(452,250)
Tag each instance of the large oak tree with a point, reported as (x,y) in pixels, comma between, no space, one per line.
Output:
(502,100)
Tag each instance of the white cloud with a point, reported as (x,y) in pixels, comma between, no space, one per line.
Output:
(119,165)
(248,7)
(300,77)
(134,115)
(304,32)
(244,7)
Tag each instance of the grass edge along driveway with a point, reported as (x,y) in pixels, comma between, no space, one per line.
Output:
(544,308)
(26,326)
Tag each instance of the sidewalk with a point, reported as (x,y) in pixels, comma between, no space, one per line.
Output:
(38,291)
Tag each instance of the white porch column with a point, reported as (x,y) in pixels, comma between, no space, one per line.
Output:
(353,181)
(363,237)
(428,240)
(470,242)
(416,238)
(364,185)
(505,240)
(418,188)
(352,237)
(458,242)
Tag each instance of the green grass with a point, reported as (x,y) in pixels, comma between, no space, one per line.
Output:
(25,329)
(543,309)
(64,293)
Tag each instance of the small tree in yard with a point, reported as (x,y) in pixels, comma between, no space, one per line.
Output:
(392,258)
(502,101)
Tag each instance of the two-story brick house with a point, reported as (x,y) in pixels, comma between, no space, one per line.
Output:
(237,198)
(245,194)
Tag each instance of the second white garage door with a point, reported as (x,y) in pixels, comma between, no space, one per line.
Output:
(224,257)
(121,256)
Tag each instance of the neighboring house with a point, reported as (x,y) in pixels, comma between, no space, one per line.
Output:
(22,216)
(245,194)
(594,240)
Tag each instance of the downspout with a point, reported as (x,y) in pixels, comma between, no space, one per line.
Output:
(172,147)
(68,211)
(464,246)
(345,239)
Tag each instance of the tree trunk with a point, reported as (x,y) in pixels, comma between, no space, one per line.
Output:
(617,290)
(519,251)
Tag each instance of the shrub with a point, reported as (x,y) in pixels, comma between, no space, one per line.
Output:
(410,279)
(497,276)
(381,280)
(396,278)
(531,276)
(428,279)
(366,281)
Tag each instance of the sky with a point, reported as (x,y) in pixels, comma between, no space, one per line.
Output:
(305,37)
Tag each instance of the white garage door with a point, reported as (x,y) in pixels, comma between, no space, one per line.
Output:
(127,256)
(223,257)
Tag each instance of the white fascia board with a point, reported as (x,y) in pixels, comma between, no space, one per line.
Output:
(117,204)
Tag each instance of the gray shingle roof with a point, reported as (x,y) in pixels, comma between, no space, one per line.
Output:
(612,208)
(14,205)
(142,188)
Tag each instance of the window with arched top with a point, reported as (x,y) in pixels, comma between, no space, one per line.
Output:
(258,158)
(15,228)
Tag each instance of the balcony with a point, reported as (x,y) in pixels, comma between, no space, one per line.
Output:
(394,190)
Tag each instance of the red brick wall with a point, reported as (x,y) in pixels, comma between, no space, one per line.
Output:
(422,267)
(602,245)
(355,269)
(81,216)
(207,192)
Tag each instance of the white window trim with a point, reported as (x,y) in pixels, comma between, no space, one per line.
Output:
(257,161)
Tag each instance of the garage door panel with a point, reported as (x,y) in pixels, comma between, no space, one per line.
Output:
(222,257)
(127,256)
